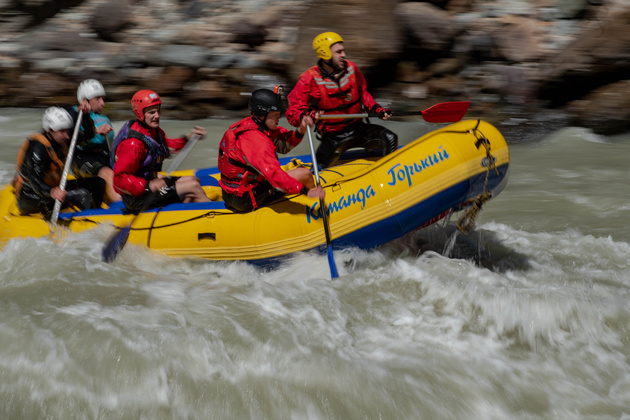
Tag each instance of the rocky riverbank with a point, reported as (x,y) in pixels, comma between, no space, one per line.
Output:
(508,57)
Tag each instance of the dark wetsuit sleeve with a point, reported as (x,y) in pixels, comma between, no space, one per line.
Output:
(36,162)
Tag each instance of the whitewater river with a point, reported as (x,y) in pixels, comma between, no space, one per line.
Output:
(527,318)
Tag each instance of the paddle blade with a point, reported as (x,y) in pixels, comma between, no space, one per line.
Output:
(446,112)
(115,244)
(331,263)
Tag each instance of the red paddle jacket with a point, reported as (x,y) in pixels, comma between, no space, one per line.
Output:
(130,177)
(319,91)
(247,156)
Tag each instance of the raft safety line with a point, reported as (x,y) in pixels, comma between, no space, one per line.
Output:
(467,221)
(469,217)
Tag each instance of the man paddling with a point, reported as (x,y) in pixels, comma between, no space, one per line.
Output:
(92,155)
(251,175)
(337,86)
(40,164)
(138,152)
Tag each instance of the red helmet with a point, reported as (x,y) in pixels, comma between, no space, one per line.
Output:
(142,100)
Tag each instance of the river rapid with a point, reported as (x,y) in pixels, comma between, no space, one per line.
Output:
(528,317)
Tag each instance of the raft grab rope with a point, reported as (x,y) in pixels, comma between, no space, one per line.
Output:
(467,221)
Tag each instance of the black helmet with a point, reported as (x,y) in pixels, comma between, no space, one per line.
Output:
(264,101)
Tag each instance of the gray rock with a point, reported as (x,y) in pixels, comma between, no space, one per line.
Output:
(57,64)
(182,55)
(597,56)
(202,54)
(519,40)
(110,18)
(370,38)
(245,32)
(605,110)
(54,37)
(569,9)
(432,28)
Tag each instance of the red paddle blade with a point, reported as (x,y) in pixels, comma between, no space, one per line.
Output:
(446,112)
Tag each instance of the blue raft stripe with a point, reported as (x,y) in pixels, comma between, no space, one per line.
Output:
(389,229)
(396,226)
(117,209)
(206,177)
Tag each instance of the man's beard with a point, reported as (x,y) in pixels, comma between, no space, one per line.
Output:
(341,66)
(338,70)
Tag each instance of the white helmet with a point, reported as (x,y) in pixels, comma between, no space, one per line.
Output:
(56,118)
(89,89)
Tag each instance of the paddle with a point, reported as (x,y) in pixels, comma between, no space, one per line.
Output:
(117,241)
(444,112)
(66,168)
(183,153)
(322,206)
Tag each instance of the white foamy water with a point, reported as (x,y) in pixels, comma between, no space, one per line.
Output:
(525,318)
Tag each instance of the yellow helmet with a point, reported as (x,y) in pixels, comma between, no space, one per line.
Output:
(323,42)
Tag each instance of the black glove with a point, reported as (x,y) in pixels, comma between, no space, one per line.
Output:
(380,111)
(312,113)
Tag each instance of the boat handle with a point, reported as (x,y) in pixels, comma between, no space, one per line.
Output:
(207,235)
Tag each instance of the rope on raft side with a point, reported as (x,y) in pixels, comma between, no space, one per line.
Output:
(467,221)
(464,224)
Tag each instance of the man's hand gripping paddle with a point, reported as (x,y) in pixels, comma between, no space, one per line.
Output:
(117,241)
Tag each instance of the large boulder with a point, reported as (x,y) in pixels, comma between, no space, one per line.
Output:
(53,39)
(430,27)
(40,10)
(605,110)
(570,9)
(520,39)
(110,18)
(42,88)
(248,33)
(371,39)
(182,55)
(599,55)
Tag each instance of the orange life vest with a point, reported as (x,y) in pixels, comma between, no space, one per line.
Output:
(54,173)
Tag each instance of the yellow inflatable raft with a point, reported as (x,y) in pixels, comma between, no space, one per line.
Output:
(370,200)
